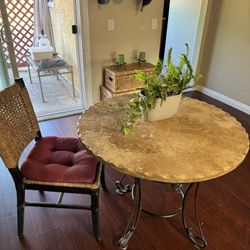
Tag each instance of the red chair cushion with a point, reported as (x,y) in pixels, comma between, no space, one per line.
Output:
(59,159)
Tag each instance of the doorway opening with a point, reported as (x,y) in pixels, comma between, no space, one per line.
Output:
(164,28)
(54,84)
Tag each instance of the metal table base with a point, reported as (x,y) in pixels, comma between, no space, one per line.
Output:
(198,240)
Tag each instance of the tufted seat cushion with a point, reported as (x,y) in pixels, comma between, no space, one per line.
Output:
(61,160)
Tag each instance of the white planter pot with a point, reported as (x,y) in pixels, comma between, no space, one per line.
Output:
(167,110)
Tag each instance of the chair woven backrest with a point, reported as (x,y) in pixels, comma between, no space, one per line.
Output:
(18,123)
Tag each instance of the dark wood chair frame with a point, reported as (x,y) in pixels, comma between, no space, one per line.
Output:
(21,186)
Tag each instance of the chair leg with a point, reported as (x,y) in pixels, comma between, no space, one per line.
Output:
(95,213)
(41,194)
(103,181)
(60,197)
(20,209)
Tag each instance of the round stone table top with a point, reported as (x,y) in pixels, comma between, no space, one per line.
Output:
(199,143)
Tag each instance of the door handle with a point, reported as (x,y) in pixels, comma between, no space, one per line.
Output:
(74,29)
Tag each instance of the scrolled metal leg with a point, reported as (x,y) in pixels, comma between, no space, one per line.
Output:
(198,240)
(177,188)
(134,216)
(121,188)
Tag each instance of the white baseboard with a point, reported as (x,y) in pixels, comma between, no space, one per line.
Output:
(227,100)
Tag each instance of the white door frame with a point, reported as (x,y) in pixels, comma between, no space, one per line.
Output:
(84,50)
(82,45)
(80,10)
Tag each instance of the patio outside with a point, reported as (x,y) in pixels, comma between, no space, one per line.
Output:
(57,90)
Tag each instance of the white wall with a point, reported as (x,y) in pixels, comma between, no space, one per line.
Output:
(183,25)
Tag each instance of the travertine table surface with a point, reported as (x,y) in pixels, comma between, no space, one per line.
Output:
(199,143)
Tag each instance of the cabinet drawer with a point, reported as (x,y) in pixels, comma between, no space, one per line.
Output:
(126,83)
(110,81)
(122,83)
(106,93)
(123,80)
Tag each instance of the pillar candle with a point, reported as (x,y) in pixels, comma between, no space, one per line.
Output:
(120,59)
(142,56)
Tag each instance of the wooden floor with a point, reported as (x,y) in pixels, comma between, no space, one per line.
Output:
(223,203)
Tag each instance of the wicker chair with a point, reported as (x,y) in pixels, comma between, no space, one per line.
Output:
(56,164)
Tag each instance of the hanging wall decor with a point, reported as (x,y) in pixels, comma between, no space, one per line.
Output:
(103,1)
(144,3)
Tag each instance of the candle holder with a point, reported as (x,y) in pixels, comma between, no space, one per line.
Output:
(120,62)
(141,60)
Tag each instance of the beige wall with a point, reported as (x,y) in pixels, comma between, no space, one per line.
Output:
(62,19)
(226,59)
(133,33)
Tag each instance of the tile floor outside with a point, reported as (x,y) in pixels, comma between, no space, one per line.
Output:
(58,93)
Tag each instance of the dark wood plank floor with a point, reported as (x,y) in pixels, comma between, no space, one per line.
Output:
(224,206)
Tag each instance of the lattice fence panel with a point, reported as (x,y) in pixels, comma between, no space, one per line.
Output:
(21,18)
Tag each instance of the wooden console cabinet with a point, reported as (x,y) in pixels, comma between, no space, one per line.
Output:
(117,81)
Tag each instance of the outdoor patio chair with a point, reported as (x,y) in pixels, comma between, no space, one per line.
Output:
(57,164)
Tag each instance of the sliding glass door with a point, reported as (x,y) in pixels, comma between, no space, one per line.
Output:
(4,77)
(7,51)
(54,80)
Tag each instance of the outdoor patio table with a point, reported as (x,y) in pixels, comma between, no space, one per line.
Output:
(201,142)
(50,70)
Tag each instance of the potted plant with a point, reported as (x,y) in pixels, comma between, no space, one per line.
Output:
(161,91)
